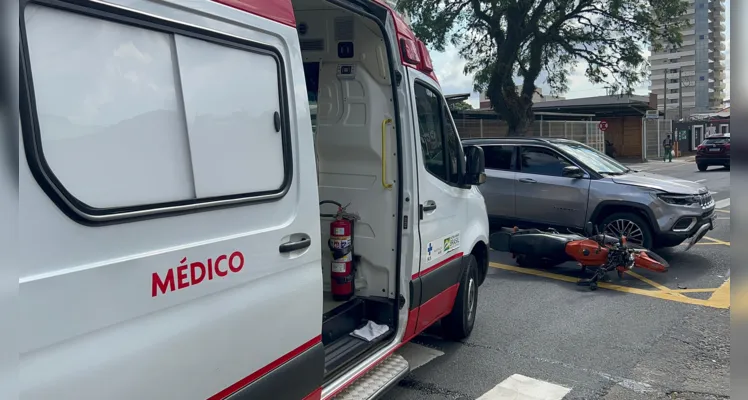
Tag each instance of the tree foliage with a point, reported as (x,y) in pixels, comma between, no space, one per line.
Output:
(501,40)
(459,106)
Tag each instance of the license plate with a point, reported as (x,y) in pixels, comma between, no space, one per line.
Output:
(715,149)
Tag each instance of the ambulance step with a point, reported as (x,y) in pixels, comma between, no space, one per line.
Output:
(376,381)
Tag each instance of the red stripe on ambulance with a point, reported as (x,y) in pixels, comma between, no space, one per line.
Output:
(191,274)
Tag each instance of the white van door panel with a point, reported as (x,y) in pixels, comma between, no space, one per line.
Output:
(189,305)
(442,202)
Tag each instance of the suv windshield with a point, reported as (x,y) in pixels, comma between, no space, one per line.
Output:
(592,158)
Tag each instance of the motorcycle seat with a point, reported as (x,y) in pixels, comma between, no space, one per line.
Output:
(542,245)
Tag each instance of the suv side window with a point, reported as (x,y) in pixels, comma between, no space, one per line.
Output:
(498,157)
(542,161)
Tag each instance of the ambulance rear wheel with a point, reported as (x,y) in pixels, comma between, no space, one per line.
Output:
(459,323)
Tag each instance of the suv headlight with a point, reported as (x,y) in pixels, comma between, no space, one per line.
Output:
(679,199)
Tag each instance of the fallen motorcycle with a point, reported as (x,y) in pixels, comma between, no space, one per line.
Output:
(533,247)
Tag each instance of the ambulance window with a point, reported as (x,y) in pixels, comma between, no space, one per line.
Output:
(133,119)
(431,132)
(110,123)
(455,156)
(233,141)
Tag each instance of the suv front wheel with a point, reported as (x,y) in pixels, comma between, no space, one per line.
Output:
(631,225)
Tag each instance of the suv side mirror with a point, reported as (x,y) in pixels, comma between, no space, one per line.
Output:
(475,166)
(572,171)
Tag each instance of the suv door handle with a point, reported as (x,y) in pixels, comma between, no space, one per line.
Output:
(429,206)
(527,180)
(295,245)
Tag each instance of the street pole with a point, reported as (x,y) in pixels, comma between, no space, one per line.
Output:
(664,98)
(680,93)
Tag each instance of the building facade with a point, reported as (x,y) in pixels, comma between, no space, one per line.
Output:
(693,73)
(537,97)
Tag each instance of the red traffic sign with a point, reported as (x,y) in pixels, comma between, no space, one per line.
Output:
(603,125)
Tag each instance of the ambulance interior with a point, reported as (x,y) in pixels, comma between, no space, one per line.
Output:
(350,97)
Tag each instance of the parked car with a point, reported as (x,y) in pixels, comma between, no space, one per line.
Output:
(715,150)
(535,182)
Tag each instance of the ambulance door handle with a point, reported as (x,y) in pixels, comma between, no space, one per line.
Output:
(294,245)
(429,206)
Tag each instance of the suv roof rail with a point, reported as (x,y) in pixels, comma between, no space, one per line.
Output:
(520,138)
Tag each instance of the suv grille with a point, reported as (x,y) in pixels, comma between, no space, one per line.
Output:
(705,200)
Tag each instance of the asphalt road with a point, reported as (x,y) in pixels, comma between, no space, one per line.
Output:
(646,337)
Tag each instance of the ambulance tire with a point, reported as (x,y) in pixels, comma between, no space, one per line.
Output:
(458,324)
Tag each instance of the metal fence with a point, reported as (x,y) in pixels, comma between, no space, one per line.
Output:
(586,132)
(654,131)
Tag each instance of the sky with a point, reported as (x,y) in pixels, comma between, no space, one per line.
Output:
(449,67)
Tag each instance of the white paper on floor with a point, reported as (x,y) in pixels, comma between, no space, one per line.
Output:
(370,331)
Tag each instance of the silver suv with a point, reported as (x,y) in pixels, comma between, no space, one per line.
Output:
(559,183)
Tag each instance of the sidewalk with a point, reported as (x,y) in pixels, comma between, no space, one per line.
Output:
(638,161)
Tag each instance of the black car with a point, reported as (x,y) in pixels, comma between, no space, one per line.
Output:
(715,150)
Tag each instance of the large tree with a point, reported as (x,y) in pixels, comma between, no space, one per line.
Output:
(504,40)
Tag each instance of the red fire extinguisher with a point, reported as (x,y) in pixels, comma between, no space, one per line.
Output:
(343,265)
(341,268)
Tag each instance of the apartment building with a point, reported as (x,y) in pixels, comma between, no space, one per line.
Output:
(695,71)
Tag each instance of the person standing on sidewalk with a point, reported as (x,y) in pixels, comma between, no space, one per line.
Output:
(668,145)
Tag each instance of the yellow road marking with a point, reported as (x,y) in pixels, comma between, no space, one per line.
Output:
(715,301)
(717,241)
(712,242)
(723,211)
(721,296)
(693,290)
(653,283)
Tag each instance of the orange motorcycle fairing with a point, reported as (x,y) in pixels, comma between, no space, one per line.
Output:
(644,260)
(587,252)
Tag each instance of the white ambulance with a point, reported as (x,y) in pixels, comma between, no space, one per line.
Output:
(244,199)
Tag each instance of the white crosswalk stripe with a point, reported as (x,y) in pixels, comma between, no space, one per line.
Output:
(520,387)
(515,387)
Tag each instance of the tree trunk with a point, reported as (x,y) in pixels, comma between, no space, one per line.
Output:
(514,108)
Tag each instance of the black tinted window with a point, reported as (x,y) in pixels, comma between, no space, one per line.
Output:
(541,161)
(430,129)
(498,157)
(442,152)
(717,141)
(455,157)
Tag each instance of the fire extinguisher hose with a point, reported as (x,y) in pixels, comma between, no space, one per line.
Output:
(340,207)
